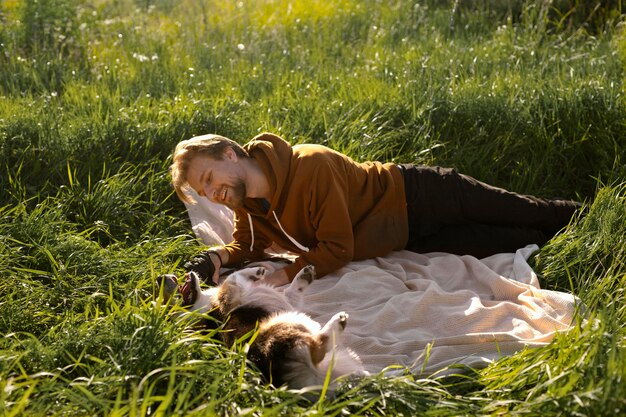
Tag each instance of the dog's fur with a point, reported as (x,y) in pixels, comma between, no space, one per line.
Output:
(288,347)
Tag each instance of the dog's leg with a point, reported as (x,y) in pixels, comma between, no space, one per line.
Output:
(326,339)
(335,326)
(228,297)
(245,277)
(301,281)
(257,274)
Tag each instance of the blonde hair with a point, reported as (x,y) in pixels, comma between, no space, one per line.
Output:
(212,146)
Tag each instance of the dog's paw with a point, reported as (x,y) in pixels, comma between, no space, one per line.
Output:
(332,330)
(342,319)
(304,278)
(257,273)
(337,323)
(246,277)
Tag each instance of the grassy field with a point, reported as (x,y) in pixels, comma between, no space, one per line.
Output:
(94,95)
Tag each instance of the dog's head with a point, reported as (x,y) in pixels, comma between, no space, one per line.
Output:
(190,291)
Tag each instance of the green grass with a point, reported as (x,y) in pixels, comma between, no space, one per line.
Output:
(94,95)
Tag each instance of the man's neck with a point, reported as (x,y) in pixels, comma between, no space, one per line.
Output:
(256,182)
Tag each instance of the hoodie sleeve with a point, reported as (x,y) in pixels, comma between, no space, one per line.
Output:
(328,212)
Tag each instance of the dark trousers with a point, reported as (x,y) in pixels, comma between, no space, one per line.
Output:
(455,213)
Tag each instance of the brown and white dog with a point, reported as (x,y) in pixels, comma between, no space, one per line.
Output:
(287,346)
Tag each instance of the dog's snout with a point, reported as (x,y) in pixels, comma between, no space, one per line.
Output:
(161,278)
(169,283)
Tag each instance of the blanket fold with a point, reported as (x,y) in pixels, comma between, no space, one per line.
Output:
(468,311)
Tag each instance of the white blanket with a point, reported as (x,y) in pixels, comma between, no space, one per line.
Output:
(428,311)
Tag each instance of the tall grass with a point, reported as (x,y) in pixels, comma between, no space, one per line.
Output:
(94,95)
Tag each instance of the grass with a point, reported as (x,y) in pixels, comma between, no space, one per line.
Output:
(94,95)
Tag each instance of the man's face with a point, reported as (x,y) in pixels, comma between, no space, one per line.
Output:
(221,181)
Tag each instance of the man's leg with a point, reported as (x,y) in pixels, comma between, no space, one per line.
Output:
(440,198)
(477,240)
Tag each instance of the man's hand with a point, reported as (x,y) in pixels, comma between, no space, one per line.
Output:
(275,279)
(207,265)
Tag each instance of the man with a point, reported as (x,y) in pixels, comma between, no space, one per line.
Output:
(330,210)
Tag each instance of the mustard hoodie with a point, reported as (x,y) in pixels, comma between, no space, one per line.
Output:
(325,207)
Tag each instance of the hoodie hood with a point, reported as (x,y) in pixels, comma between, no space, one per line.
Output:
(274,156)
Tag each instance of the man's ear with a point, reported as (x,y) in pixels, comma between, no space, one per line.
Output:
(229,154)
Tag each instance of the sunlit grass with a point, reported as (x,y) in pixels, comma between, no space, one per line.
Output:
(94,95)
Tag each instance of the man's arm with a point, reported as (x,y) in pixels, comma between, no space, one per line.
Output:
(207,263)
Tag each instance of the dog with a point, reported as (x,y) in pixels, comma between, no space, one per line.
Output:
(287,346)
